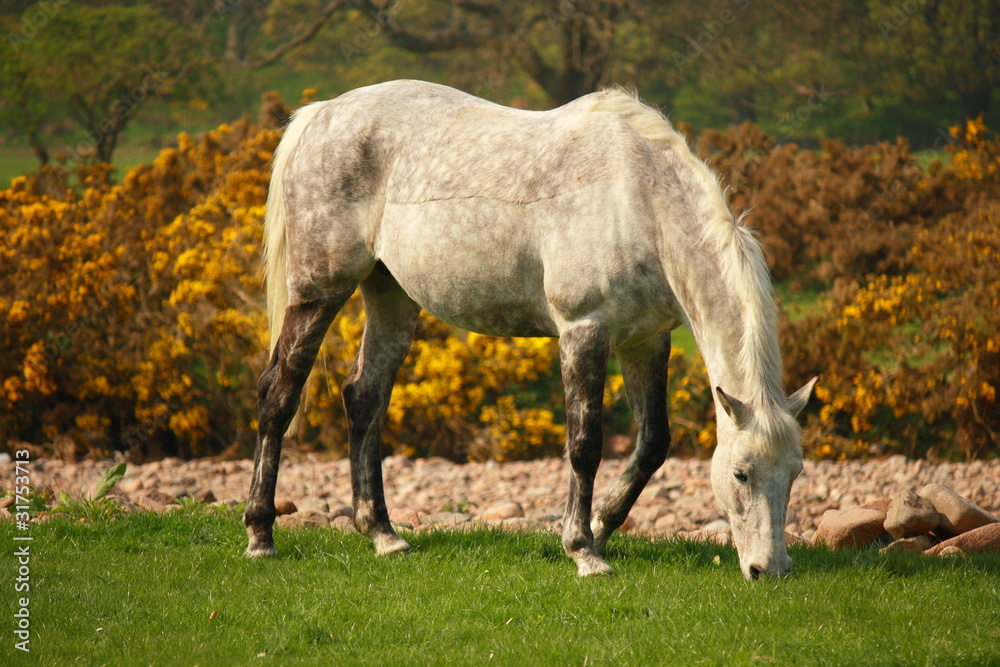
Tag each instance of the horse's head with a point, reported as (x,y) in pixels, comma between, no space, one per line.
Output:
(757,459)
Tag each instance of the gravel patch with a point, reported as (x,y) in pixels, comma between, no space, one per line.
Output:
(524,494)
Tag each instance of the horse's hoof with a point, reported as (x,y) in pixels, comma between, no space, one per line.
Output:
(261,551)
(592,566)
(389,543)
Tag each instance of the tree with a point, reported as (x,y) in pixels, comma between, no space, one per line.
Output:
(567,47)
(251,33)
(24,108)
(96,65)
(929,46)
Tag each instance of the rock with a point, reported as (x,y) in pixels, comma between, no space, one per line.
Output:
(130,485)
(312,504)
(283,506)
(950,552)
(649,512)
(303,519)
(343,523)
(880,504)
(617,447)
(985,539)
(705,536)
(505,509)
(666,523)
(850,529)
(518,524)
(405,516)
(341,510)
(958,515)
(446,518)
(909,515)
(794,540)
(917,544)
(660,492)
(175,491)
(717,526)
(154,501)
(205,496)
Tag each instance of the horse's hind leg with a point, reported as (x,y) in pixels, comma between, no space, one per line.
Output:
(279,390)
(583,352)
(390,319)
(645,373)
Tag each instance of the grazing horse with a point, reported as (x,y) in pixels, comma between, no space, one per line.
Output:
(592,222)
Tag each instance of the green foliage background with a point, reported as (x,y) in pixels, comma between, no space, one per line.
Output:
(130,303)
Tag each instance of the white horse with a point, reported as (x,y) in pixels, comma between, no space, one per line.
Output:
(592,222)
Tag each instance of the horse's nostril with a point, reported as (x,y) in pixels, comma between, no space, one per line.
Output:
(755,572)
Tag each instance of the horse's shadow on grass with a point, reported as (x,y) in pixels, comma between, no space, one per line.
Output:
(815,559)
(808,560)
(625,552)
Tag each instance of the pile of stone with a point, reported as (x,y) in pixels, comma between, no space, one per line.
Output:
(504,515)
(935,521)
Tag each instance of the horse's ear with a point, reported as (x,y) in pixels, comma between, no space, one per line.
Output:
(738,411)
(798,400)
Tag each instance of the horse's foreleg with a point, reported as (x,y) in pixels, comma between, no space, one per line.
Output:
(644,371)
(583,352)
(391,317)
(279,390)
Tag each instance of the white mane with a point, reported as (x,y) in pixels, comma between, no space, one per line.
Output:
(741,257)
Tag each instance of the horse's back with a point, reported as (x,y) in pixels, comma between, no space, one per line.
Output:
(495,219)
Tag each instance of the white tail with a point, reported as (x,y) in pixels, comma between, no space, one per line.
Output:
(275,258)
(275,255)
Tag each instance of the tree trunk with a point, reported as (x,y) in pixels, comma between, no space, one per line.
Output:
(974,102)
(39,148)
(741,109)
(235,48)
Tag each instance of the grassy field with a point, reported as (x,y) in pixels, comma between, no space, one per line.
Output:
(175,589)
(15,161)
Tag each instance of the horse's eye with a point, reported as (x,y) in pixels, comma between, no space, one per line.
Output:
(740,475)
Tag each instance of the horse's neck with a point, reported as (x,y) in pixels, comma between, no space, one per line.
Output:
(723,318)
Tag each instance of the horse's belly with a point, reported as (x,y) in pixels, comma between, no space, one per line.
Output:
(469,267)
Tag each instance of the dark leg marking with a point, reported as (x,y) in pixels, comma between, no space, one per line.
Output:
(390,320)
(279,390)
(645,373)
(584,352)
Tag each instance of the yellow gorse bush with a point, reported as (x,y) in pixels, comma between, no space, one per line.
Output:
(135,306)
(912,360)
(132,314)
(133,319)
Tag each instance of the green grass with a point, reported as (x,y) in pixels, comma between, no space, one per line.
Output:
(16,161)
(142,589)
